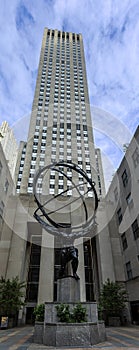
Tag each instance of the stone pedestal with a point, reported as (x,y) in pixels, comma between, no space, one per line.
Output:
(68,290)
(58,334)
(73,334)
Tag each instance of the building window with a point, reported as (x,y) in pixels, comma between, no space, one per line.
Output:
(60,187)
(129,200)
(119,215)
(116,194)
(6,186)
(1,216)
(57,266)
(135,157)
(124,241)
(0,167)
(1,208)
(88,271)
(125,178)
(129,270)
(33,273)
(135,229)
(52,186)
(37,122)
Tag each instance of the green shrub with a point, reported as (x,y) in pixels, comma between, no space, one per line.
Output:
(12,295)
(78,314)
(63,312)
(39,312)
(113,298)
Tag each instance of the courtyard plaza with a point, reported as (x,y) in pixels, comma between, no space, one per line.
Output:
(118,338)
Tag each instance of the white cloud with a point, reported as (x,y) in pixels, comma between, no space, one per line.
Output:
(110,31)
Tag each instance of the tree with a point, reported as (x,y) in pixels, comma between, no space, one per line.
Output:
(113,298)
(11,296)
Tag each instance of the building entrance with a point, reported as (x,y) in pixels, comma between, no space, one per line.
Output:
(30,318)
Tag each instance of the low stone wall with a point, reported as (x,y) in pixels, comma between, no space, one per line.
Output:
(69,334)
(73,334)
(38,332)
(58,334)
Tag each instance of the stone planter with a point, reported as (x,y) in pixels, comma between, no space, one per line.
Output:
(73,334)
(58,334)
(51,312)
(38,332)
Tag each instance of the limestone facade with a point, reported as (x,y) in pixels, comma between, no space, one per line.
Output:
(123,223)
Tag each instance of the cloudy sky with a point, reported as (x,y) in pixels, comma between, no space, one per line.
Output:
(110,31)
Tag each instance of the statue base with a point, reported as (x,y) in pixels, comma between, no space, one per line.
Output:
(73,334)
(59,334)
(68,290)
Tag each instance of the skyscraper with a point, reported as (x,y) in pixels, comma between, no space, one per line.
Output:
(60,125)
(60,129)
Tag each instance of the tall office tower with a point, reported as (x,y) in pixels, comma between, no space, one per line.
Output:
(60,129)
(60,125)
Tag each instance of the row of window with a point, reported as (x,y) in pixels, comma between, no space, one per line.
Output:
(65,50)
(63,81)
(21,169)
(52,186)
(61,58)
(76,105)
(125,176)
(135,230)
(130,203)
(61,99)
(62,35)
(129,269)
(61,77)
(64,68)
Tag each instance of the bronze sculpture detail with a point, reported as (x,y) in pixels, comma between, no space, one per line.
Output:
(69,254)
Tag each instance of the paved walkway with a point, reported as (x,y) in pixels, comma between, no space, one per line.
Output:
(18,338)
(118,338)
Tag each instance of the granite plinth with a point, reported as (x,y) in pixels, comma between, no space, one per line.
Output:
(68,290)
(58,334)
(38,332)
(73,334)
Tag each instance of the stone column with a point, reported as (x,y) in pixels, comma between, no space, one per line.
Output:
(81,271)
(46,279)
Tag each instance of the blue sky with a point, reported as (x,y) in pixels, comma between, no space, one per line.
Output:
(110,31)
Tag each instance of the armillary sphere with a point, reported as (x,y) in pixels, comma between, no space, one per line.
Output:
(71,210)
